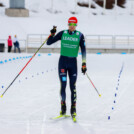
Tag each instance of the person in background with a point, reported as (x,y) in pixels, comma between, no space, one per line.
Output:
(10,43)
(16,44)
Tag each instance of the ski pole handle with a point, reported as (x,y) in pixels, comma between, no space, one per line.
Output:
(54,27)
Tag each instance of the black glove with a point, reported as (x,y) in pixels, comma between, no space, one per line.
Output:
(53,31)
(83,69)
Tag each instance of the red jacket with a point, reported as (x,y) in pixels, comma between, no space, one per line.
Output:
(10,41)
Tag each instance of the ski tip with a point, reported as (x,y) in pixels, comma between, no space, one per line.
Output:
(99,95)
(1,96)
(74,120)
(60,116)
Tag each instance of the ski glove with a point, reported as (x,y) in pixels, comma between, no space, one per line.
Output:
(53,31)
(84,69)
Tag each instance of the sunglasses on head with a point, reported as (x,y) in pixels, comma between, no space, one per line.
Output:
(72,24)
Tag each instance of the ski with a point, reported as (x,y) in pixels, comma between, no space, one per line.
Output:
(65,116)
(74,117)
(60,116)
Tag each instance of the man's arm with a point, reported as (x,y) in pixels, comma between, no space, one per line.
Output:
(53,39)
(83,48)
(83,51)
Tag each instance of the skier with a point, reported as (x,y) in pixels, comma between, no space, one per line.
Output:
(71,39)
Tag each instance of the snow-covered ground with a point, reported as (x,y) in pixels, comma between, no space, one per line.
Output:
(33,99)
(41,20)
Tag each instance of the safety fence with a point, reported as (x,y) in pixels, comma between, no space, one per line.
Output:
(110,41)
(34,41)
(92,41)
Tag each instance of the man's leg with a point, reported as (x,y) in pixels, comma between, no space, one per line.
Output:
(8,49)
(11,49)
(73,77)
(14,49)
(18,49)
(63,82)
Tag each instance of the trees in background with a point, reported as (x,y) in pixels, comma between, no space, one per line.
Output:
(109,3)
(1,5)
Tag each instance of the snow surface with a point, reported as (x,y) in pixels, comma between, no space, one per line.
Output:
(41,20)
(33,99)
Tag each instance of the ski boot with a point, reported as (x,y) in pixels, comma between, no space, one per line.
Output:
(73,112)
(63,108)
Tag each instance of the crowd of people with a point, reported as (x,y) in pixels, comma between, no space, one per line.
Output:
(14,42)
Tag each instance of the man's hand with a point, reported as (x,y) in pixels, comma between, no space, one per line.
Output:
(83,69)
(53,31)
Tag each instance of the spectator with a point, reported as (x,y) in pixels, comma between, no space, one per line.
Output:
(16,44)
(9,44)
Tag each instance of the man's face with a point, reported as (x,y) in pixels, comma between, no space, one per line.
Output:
(72,26)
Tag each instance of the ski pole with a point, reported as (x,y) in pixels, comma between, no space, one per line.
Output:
(23,68)
(93,85)
(26,65)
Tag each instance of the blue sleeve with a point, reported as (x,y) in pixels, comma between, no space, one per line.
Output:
(83,48)
(53,39)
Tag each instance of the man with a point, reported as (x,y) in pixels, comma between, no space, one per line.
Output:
(70,42)
(16,44)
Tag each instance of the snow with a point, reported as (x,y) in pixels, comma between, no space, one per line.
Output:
(34,96)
